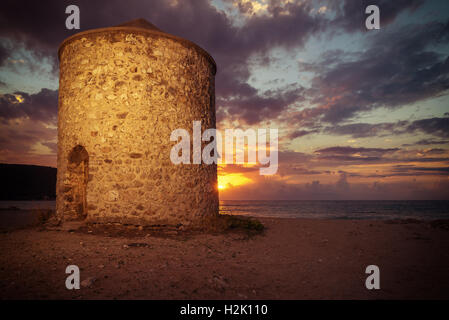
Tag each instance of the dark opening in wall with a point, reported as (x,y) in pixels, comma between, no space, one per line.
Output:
(78,170)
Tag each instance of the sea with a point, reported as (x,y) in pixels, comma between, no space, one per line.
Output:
(319,209)
(339,209)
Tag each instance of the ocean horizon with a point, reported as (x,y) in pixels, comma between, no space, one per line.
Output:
(309,209)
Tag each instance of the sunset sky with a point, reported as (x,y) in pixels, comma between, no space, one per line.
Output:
(361,114)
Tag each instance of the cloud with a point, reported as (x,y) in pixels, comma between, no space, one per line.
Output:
(4,54)
(346,155)
(53,146)
(426,142)
(351,14)
(363,130)
(351,150)
(28,127)
(435,126)
(342,189)
(41,28)
(250,7)
(416,171)
(343,86)
(41,106)
(435,151)
(26,141)
(344,158)
(301,133)
(381,76)
(254,108)
(286,24)
(438,127)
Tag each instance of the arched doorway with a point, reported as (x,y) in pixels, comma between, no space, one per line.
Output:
(78,170)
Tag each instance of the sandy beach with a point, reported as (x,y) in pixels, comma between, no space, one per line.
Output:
(291,259)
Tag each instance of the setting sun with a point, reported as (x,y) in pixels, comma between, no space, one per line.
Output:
(232,180)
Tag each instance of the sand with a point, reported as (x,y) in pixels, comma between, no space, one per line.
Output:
(292,259)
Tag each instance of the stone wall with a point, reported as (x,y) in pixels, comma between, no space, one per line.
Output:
(121,94)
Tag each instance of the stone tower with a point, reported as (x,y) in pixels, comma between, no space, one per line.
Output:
(122,91)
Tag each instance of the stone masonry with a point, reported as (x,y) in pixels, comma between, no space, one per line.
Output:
(122,91)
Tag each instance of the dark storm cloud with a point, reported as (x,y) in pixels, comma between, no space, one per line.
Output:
(384,75)
(363,130)
(41,106)
(301,133)
(351,14)
(233,46)
(426,142)
(27,123)
(438,127)
(4,54)
(342,155)
(41,27)
(255,108)
(345,159)
(434,126)
(425,159)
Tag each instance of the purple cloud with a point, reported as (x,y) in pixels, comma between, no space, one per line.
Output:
(383,75)
(41,106)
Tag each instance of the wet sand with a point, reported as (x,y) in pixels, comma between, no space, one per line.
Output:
(292,259)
